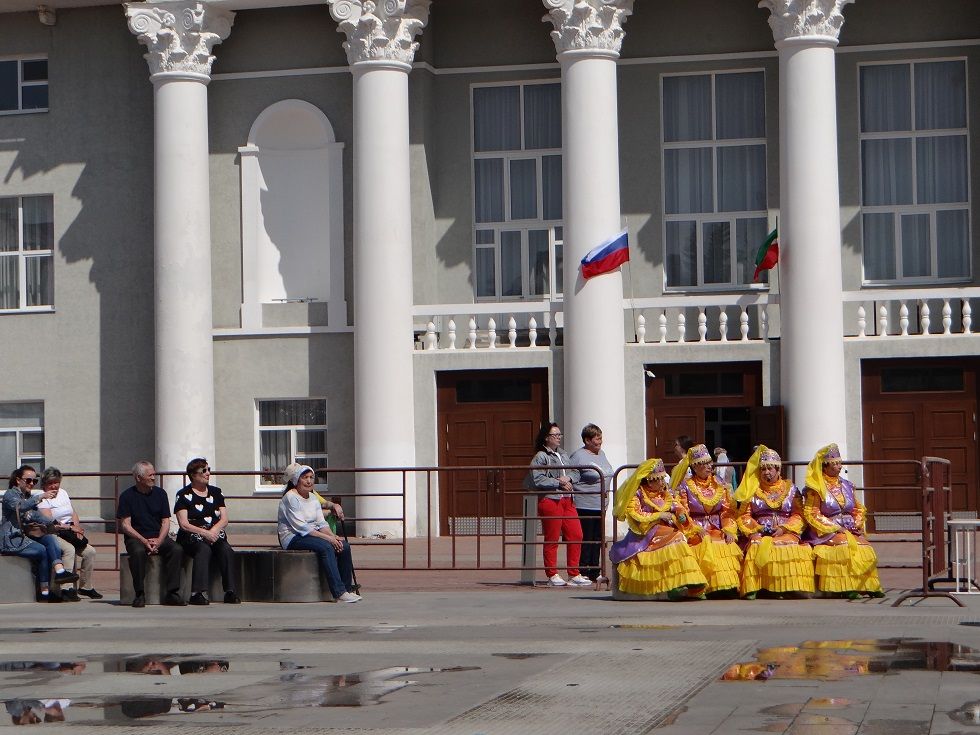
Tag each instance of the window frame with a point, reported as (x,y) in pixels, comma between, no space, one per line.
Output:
(35,459)
(20,59)
(23,256)
(915,208)
(554,227)
(701,219)
(319,459)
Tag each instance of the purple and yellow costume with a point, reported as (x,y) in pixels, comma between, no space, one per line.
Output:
(653,558)
(845,561)
(710,529)
(780,563)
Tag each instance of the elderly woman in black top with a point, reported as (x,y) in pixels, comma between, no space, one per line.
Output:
(202,517)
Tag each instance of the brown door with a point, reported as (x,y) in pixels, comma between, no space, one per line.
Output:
(718,404)
(487,418)
(920,408)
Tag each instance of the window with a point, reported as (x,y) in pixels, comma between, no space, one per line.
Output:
(291,431)
(714,154)
(26,252)
(517,191)
(23,85)
(21,435)
(915,192)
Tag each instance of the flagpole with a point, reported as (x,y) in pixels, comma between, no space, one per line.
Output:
(629,267)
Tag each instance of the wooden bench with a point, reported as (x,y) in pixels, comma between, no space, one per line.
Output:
(263,575)
(17,582)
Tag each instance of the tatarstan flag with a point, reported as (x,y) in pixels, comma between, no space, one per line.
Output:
(767,256)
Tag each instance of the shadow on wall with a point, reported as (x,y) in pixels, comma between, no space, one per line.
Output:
(100,124)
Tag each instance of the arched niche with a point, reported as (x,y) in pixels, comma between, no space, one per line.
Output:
(292,214)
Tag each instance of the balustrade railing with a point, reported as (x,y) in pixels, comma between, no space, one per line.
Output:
(715,318)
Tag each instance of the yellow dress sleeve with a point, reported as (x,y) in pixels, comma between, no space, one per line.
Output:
(746,523)
(795,524)
(814,518)
(726,511)
(638,519)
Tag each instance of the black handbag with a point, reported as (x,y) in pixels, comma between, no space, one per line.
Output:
(73,538)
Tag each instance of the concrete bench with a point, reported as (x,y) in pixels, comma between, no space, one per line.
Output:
(17,582)
(264,575)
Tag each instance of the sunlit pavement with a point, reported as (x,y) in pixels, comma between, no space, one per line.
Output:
(486,656)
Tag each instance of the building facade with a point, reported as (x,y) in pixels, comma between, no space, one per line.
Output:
(348,232)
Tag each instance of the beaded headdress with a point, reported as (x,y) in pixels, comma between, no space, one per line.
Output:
(699,454)
(769,458)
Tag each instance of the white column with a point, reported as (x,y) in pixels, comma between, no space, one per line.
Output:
(380,51)
(810,285)
(179,36)
(588,35)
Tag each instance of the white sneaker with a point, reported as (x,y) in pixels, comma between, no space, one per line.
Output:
(579,581)
(556,581)
(349,597)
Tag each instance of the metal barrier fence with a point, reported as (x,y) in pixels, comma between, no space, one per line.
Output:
(469,518)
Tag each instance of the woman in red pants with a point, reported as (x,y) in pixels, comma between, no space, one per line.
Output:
(559,519)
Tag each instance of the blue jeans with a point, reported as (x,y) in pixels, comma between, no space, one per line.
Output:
(337,565)
(43,552)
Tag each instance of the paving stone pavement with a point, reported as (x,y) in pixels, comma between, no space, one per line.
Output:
(495,662)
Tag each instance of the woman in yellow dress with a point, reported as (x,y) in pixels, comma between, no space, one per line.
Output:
(845,564)
(653,559)
(770,517)
(710,528)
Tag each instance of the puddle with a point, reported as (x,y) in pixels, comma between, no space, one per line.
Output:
(518,656)
(835,660)
(289,685)
(643,626)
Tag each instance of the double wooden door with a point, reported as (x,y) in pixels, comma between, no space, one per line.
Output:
(487,418)
(913,409)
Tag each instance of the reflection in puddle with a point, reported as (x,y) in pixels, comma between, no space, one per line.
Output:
(836,660)
(295,686)
(518,656)
(967,714)
(640,626)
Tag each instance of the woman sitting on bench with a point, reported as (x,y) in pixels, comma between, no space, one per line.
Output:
(303,527)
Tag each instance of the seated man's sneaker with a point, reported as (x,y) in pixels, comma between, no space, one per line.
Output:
(348,597)
(91,593)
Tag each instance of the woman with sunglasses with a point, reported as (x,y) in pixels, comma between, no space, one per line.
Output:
(202,517)
(20,514)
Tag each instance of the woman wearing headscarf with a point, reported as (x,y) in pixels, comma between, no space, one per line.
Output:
(710,529)
(654,559)
(845,563)
(770,517)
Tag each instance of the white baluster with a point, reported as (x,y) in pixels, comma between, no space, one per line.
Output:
(452,334)
(883,321)
(764,319)
(532,331)
(903,319)
(862,322)
(641,329)
(743,324)
(430,336)
(924,318)
(947,316)
(723,324)
(512,332)
(492,333)
(472,335)
(967,316)
(702,325)
(681,325)
(662,321)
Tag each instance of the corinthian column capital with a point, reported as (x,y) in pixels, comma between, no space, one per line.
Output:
(179,35)
(588,25)
(380,30)
(805,18)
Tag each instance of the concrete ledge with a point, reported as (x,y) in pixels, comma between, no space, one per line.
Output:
(263,575)
(17,582)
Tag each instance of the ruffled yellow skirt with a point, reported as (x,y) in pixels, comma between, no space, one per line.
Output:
(655,572)
(720,562)
(777,568)
(845,569)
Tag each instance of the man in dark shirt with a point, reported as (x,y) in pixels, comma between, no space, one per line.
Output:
(144,516)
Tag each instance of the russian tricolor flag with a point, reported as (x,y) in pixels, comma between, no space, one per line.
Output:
(606,257)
